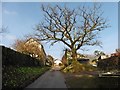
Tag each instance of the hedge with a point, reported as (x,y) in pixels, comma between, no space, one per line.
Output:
(14,58)
(109,63)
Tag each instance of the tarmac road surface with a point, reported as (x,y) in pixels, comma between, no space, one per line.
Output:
(51,79)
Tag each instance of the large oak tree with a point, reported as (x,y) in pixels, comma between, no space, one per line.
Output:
(74,27)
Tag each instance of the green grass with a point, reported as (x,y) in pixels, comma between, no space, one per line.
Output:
(85,81)
(20,77)
(76,67)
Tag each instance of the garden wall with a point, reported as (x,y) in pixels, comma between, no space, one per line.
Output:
(14,58)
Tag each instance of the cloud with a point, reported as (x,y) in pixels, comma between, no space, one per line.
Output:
(8,37)
(9,12)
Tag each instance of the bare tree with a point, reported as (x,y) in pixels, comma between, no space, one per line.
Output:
(50,60)
(74,27)
(3,29)
(98,53)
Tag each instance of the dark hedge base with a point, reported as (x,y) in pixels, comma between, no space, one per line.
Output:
(20,77)
(87,81)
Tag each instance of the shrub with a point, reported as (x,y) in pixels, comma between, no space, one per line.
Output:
(78,67)
(109,63)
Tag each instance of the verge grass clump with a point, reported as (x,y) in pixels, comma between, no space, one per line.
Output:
(76,67)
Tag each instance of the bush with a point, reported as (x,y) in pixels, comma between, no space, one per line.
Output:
(78,67)
(109,63)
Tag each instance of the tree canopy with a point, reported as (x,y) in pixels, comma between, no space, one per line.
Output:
(75,27)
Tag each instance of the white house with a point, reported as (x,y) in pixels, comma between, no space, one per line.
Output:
(57,62)
(37,49)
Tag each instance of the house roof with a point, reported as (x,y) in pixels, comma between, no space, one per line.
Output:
(33,40)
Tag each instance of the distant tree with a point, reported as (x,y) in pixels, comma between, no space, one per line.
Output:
(64,60)
(118,50)
(50,60)
(19,45)
(98,53)
(73,27)
(3,29)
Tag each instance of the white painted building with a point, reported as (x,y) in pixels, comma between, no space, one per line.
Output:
(57,62)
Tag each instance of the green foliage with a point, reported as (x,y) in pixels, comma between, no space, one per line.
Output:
(85,81)
(78,67)
(109,63)
(69,61)
(98,53)
(19,77)
(50,60)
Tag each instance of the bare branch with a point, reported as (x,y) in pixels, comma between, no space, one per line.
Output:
(73,27)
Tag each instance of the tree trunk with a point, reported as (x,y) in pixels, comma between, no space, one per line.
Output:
(74,55)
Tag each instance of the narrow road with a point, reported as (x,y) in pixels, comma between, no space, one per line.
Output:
(51,79)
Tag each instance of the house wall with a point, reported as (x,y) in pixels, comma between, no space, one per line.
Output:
(39,49)
(57,62)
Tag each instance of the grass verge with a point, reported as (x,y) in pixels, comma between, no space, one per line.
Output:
(20,77)
(90,81)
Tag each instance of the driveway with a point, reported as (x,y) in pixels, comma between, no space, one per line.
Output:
(51,79)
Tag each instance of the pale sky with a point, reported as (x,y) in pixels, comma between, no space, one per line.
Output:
(21,18)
